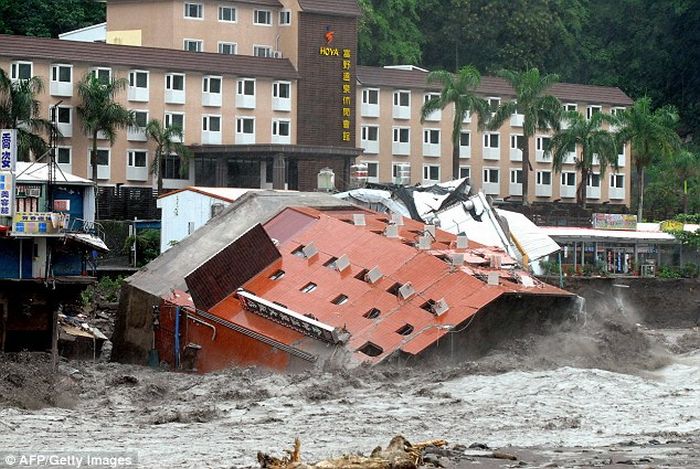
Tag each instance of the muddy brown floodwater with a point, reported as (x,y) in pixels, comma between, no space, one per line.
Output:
(608,395)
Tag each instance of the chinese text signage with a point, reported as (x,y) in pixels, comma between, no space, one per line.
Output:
(39,222)
(7,194)
(346,71)
(614,221)
(8,149)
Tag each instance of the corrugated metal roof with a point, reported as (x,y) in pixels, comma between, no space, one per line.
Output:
(331,7)
(491,86)
(96,53)
(563,232)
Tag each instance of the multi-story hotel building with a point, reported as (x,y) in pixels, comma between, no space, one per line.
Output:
(268,92)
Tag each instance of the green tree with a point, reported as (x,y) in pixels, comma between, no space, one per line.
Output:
(598,146)
(48,18)
(458,90)
(389,33)
(168,141)
(540,111)
(19,109)
(100,113)
(651,133)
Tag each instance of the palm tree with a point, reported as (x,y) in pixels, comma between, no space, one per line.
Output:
(458,89)
(168,142)
(651,133)
(100,113)
(540,111)
(596,144)
(19,109)
(685,167)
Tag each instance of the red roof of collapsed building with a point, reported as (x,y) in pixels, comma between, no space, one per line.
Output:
(374,317)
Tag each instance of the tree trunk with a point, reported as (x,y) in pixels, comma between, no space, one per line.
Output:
(455,159)
(93,157)
(159,173)
(581,193)
(526,169)
(640,198)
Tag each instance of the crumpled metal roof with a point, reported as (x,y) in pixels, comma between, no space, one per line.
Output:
(333,234)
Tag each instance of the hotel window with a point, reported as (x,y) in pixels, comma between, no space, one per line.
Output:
(227,14)
(21,70)
(193,10)
(516,176)
(282,89)
(211,85)
(431,136)
(617,181)
(138,79)
(262,51)
(170,167)
(543,143)
(516,142)
(211,123)
(262,17)
(246,87)
(281,128)
(593,180)
(285,18)
(465,172)
(465,139)
(571,107)
(370,96)
(140,119)
(227,48)
(372,171)
(63,115)
(137,159)
(494,103)
(246,125)
(370,133)
(491,175)
(402,98)
(402,134)
(102,157)
(173,119)
(591,110)
(491,140)
(193,45)
(62,73)
(568,179)
(175,82)
(401,171)
(431,173)
(544,178)
(63,155)
(103,74)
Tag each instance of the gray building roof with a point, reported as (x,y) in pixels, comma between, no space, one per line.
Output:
(491,86)
(168,271)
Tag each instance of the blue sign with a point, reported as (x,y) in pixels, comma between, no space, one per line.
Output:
(8,149)
(7,194)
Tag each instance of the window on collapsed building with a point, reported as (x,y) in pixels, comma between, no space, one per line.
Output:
(371,350)
(373,313)
(308,288)
(278,274)
(406,329)
(340,300)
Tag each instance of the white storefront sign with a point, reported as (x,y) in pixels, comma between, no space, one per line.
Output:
(7,194)
(8,149)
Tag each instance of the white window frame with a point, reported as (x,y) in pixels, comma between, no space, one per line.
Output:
(240,128)
(227,7)
(369,145)
(465,151)
(208,134)
(268,51)
(489,186)
(256,17)
(398,131)
(207,118)
(168,122)
(468,170)
(367,93)
(492,108)
(169,81)
(430,148)
(285,13)
(131,160)
(280,103)
(104,168)
(426,173)
(277,137)
(198,42)
(565,176)
(15,69)
(540,177)
(55,71)
(515,174)
(244,99)
(590,108)
(136,132)
(212,98)
(221,44)
(70,155)
(135,92)
(401,111)
(96,72)
(200,10)
(436,115)
(376,166)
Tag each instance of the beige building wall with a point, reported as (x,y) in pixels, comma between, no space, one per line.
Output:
(163,24)
(156,107)
(476,161)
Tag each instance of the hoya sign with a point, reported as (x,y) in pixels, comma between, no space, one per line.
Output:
(8,149)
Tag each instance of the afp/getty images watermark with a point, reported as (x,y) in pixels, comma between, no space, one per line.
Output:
(64,459)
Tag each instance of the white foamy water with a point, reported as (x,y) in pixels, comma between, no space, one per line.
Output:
(334,415)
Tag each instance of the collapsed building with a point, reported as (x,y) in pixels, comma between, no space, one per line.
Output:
(289,281)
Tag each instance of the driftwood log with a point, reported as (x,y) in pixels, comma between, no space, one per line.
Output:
(399,454)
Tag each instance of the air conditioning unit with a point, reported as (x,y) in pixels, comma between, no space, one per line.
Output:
(358,219)
(440,307)
(309,250)
(277,54)
(406,291)
(342,263)
(34,192)
(374,275)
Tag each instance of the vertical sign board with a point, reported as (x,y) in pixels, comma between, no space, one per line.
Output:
(7,194)
(8,149)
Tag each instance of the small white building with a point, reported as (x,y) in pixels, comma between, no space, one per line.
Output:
(185,210)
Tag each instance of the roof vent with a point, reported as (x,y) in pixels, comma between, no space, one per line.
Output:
(374,275)
(457,259)
(391,231)
(397,219)
(309,250)
(406,291)
(425,242)
(493,279)
(427,228)
(440,307)
(462,241)
(358,219)
(495,261)
(342,263)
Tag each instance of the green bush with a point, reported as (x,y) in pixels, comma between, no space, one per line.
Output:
(690,270)
(147,246)
(669,272)
(107,290)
